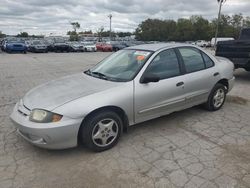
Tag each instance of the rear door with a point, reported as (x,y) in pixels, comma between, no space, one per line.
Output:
(200,77)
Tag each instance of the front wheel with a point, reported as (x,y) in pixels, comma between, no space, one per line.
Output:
(216,98)
(101,131)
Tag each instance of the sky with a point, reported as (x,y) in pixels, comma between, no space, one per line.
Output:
(53,17)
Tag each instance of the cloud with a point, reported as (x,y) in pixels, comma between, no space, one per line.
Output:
(53,16)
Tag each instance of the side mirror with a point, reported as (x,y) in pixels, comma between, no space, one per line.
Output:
(147,78)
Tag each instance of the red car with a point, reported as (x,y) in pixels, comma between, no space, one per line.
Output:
(104,47)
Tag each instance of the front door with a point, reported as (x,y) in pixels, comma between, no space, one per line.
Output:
(156,99)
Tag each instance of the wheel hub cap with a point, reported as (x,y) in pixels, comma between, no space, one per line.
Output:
(219,98)
(105,132)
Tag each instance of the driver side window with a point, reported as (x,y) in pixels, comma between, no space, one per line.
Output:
(165,65)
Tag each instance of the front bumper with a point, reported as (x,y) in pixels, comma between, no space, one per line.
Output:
(40,49)
(59,135)
(90,49)
(16,49)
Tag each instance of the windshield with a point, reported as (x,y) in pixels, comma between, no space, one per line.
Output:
(89,43)
(36,42)
(14,41)
(121,66)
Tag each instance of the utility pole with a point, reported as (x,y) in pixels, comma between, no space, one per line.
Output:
(218,21)
(110,18)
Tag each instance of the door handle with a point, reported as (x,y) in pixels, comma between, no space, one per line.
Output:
(180,84)
(216,74)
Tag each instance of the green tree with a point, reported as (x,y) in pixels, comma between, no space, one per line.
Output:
(23,34)
(75,25)
(2,35)
(100,33)
(155,30)
(170,29)
(184,30)
(124,34)
(73,36)
(194,28)
(237,21)
(246,22)
(201,28)
(86,32)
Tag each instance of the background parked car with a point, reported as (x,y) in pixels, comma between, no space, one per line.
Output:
(220,39)
(238,51)
(75,46)
(116,46)
(201,43)
(38,46)
(104,47)
(89,46)
(27,44)
(50,46)
(1,44)
(14,46)
(61,47)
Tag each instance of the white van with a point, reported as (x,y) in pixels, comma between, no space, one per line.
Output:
(220,39)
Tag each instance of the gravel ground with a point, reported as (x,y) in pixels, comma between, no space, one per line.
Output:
(191,148)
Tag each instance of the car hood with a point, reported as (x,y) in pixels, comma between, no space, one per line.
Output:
(15,43)
(90,46)
(58,92)
(60,44)
(76,46)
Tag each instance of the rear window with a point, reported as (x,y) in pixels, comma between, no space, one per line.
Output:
(208,61)
(192,59)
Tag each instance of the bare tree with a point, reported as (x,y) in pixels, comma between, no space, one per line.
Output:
(99,32)
(75,25)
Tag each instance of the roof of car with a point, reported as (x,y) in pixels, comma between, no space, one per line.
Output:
(157,46)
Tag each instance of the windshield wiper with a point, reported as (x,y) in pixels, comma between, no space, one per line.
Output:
(97,74)
(100,75)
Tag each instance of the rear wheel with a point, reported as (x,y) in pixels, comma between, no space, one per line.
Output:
(216,98)
(101,131)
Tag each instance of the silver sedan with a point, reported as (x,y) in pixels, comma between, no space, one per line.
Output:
(133,85)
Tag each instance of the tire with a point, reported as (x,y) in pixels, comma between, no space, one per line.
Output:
(216,98)
(247,69)
(107,136)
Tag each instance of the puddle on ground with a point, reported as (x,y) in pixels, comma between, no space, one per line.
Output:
(239,151)
(237,100)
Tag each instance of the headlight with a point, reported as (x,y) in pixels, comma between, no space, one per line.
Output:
(43,116)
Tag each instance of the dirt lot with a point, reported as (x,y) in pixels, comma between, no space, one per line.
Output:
(192,148)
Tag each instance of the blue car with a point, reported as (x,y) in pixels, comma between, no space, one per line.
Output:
(15,46)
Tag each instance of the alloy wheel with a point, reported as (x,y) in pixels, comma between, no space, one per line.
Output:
(105,132)
(218,98)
